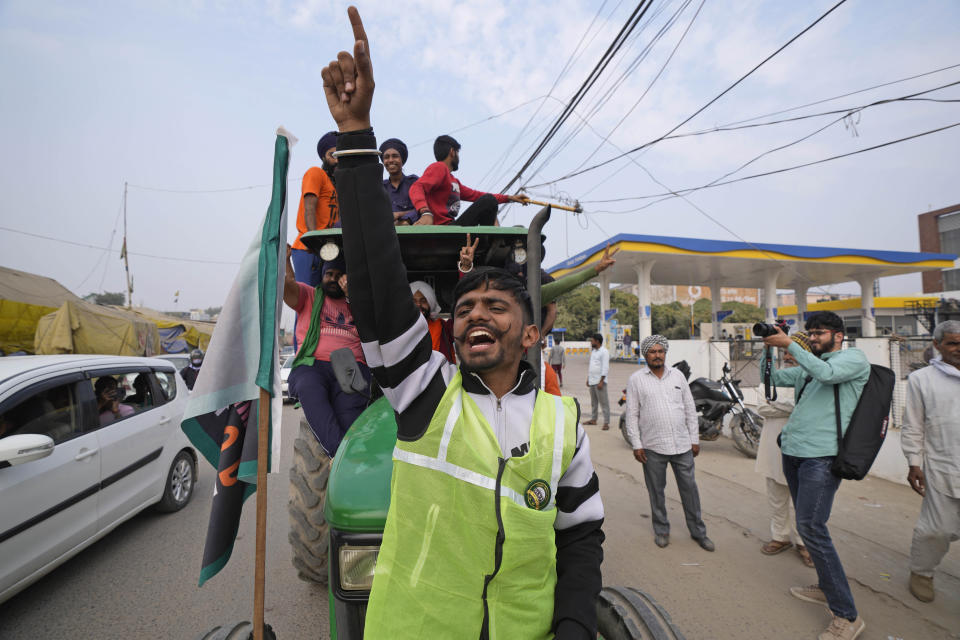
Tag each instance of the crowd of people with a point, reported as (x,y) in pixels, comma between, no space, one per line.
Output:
(798,445)
(495,519)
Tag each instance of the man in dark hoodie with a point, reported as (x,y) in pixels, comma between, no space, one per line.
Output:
(494,526)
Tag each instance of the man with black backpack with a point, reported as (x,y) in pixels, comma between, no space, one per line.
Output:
(809,445)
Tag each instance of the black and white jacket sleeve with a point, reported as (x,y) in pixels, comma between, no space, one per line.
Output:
(398,349)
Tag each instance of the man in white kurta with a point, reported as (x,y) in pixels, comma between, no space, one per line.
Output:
(931,442)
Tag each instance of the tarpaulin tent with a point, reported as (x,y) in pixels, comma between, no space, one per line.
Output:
(24,299)
(82,327)
(176,334)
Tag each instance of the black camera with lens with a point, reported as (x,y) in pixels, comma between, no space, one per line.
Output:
(762,329)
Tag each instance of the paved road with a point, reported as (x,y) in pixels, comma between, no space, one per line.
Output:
(140,581)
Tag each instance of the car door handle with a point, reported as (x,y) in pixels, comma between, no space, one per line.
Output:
(164,420)
(85,453)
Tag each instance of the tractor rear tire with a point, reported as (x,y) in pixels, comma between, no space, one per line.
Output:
(309,532)
(237,631)
(625,613)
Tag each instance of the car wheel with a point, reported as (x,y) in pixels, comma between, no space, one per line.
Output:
(625,613)
(309,532)
(181,481)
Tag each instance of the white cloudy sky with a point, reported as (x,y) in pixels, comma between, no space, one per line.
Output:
(186,95)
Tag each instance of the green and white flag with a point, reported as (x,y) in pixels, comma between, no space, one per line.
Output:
(222,413)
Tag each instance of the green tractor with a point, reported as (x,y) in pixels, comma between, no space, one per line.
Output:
(338,508)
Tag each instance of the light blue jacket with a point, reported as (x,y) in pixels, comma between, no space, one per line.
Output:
(811,431)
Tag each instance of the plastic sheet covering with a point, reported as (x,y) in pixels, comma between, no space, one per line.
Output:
(178,335)
(82,327)
(24,299)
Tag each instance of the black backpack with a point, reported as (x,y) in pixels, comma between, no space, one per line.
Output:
(858,448)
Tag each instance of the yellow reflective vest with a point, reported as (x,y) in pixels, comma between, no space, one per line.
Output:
(468,549)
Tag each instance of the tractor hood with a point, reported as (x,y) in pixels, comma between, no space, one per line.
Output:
(358,494)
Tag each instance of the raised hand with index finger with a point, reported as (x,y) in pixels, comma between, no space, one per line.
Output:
(348,81)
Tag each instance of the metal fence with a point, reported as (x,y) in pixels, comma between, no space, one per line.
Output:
(746,357)
(906,355)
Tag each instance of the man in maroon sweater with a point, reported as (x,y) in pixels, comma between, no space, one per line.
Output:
(437,194)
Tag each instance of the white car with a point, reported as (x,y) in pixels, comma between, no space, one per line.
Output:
(285,370)
(86,442)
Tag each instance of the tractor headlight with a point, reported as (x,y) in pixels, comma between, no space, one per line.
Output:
(356,567)
(329,251)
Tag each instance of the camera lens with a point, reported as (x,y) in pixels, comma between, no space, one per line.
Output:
(762,330)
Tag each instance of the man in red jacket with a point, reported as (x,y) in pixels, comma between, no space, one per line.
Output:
(437,194)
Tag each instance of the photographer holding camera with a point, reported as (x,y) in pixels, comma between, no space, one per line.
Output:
(808,446)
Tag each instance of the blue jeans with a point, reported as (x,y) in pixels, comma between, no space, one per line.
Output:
(812,487)
(307,268)
(328,410)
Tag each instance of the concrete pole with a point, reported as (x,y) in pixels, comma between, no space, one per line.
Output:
(715,307)
(800,293)
(604,306)
(644,301)
(770,295)
(868,322)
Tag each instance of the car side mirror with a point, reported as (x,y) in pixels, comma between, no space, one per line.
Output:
(25,447)
(347,371)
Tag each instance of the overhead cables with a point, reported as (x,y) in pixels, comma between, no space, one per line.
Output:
(685,192)
(111,250)
(707,105)
(635,16)
(563,71)
(607,92)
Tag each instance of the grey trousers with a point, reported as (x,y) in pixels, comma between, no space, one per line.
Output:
(937,527)
(599,396)
(655,476)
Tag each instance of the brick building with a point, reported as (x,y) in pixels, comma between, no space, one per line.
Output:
(940,233)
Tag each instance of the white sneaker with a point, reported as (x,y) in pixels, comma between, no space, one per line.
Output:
(843,629)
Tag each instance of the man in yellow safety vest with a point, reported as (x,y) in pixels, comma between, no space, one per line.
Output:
(494,528)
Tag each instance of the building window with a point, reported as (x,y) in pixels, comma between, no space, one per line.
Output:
(951,280)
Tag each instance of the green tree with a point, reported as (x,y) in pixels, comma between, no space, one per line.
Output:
(743,312)
(212,311)
(115,298)
(579,311)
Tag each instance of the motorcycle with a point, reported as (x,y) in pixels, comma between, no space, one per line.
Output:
(714,399)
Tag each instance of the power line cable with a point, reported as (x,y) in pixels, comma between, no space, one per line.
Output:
(684,192)
(108,249)
(607,92)
(649,86)
(846,113)
(226,190)
(570,60)
(708,104)
(614,48)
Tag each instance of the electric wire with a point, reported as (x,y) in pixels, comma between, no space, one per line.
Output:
(108,249)
(591,80)
(845,114)
(569,63)
(683,192)
(610,91)
(709,103)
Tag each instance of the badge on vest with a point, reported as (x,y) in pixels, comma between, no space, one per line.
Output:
(537,494)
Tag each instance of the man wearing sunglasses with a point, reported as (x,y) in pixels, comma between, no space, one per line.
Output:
(808,445)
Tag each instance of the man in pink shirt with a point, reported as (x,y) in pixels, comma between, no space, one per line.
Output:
(321,330)
(437,194)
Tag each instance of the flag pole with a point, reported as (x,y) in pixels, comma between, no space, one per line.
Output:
(259,577)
